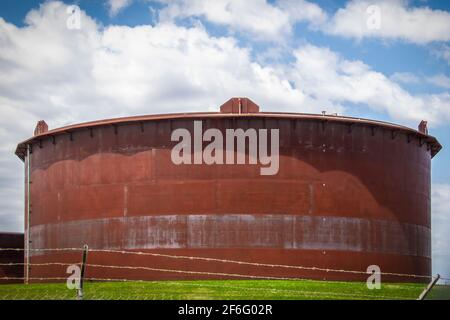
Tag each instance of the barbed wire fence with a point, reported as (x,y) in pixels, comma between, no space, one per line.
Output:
(54,287)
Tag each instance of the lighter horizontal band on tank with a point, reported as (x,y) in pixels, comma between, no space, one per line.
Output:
(238,231)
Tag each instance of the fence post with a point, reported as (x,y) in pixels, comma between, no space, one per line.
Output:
(83,268)
(429,287)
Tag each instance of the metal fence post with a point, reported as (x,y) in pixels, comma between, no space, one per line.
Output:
(80,292)
(429,287)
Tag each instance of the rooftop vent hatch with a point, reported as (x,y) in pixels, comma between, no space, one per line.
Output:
(423,127)
(239,106)
(41,127)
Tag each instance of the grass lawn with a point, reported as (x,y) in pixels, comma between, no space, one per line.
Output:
(222,289)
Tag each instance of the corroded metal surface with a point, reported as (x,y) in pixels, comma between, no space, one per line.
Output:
(220,231)
(348,194)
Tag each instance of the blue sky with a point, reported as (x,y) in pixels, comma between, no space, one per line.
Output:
(399,72)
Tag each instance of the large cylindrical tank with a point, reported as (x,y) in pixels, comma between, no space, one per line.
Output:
(349,193)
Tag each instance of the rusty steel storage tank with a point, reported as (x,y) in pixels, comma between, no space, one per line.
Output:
(347,193)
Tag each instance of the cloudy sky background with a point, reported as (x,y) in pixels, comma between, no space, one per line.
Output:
(133,57)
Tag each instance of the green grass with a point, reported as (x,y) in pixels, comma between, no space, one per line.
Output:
(222,289)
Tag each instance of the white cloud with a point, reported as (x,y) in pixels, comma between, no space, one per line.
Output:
(440,80)
(440,224)
(258,18)
(443,53)
(179,66)
(301,10)
(321,72)
(115,6)
(397,21)
(274,21)
(405,77)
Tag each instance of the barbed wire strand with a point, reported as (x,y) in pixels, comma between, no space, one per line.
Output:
(140,267)
(223,261)
(38,264)
(254,263)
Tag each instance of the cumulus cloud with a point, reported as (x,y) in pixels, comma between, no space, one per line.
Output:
(440,80)
(323,73)
(437,80)
(440,204)
(115,6)
(359,19)
(301,10)
(405,77)
(443,53)
(258,18)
